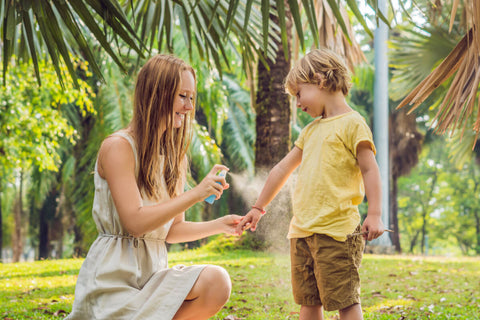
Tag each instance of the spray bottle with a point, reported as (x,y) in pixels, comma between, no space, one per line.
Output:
(211,198)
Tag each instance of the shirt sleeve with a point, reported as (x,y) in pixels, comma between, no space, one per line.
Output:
(359,131)
(301,138)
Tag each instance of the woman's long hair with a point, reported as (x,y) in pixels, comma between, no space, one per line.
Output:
(157,84)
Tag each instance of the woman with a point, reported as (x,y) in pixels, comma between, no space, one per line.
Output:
(139,205)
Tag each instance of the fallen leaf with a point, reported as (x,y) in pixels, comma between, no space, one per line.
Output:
(59,312)
(232,317)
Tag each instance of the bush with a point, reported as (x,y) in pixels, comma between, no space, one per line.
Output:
(223,243)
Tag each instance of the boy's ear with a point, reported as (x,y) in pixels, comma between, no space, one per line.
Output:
(320,78)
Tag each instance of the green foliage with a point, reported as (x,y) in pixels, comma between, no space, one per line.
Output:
(438,200)
(8,197)
(36,132)
(32,123)
(239,127)
(223,243)
(113,108)
(393,287)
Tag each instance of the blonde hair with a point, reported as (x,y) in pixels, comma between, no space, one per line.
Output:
(319,61)
(157,85)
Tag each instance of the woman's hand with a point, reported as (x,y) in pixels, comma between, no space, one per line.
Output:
(229,223)
(212,184)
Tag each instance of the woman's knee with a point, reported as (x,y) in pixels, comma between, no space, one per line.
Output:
(218,283)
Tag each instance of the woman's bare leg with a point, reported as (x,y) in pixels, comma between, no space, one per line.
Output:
(208,295)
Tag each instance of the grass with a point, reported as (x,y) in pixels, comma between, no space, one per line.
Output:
(393,287)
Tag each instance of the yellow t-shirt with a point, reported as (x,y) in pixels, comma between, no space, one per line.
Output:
(329,185)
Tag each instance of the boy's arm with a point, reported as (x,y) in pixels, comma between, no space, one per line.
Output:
(274,183)
(373,190)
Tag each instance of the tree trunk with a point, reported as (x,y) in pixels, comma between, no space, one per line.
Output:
(78,250)
(273,114)
(58,223)
(426,210)
(42,235)
(405,147)
(413,242)
(47,217)
(18,213)
(1,224)
(477,228)
(273,117)
(395,237)
(424,230)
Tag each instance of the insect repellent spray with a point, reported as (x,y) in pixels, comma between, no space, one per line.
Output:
(211,198)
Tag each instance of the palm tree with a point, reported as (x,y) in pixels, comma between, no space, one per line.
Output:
(405,146)
(415,52)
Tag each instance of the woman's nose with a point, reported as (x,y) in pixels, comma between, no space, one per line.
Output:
(189,104)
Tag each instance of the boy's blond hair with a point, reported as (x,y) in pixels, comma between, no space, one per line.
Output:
(319,61)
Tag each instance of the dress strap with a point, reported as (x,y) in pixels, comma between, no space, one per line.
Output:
(129,138)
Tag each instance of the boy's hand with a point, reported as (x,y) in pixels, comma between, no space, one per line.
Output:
(374,226)
(249,221)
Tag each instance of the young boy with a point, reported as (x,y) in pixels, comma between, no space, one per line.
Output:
(336,155)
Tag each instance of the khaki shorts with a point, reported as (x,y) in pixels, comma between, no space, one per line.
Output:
(325,271)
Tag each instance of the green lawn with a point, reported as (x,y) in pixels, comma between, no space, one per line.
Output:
(393,287)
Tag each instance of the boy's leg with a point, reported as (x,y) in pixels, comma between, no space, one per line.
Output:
(304,284)
(336,271)
(311,312)
(354,312)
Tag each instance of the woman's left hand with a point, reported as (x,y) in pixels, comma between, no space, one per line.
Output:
(229,223)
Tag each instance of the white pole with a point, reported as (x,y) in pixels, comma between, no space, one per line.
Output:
(380,120)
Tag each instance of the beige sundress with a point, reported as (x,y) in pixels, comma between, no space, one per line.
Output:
(127,278)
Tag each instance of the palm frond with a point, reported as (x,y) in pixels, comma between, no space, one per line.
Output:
(329,16)
(463,61)
(207,26)
(60,28)
(415,53)
(239,129)
(204,152)
(460,145)
(453,107)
